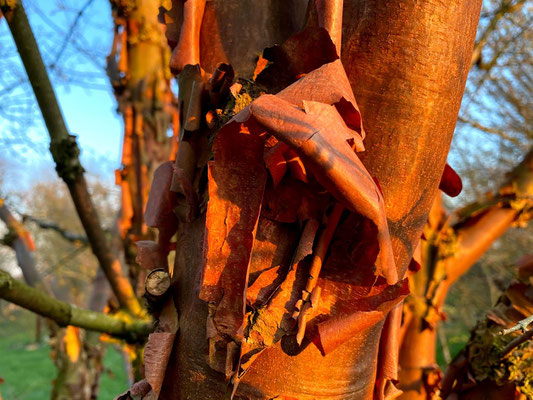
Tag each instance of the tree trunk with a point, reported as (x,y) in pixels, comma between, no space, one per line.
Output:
(407,64)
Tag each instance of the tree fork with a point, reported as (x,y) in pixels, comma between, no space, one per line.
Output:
(66,153)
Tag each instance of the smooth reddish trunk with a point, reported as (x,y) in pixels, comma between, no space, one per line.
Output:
(407,63)
(417,358)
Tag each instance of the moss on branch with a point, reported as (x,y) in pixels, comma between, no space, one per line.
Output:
(64,313)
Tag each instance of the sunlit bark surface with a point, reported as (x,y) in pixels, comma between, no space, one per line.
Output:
(407,65)
(450,246)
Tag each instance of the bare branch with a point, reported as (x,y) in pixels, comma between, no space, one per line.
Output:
(505,8)
(65,314)
(517,342)
(66,154)
(71,32)
(488,129)
(521,325)
(67,235)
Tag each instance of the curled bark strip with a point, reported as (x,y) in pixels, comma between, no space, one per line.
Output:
(335,331)
(181,184)
(296,57)
(330,17)
(220,82)
(319,135)
(389,346)
(266,328)
(259,292)
(314,271)
(236,186)
(159,208)
(187,50)
(450,182)
(141,389)
(328,84)
(159,346)
(156,354)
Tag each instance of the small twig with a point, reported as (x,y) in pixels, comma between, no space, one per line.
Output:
(444,345)
(489,129)
(67,235)
(70,33)
(521,325)
(516,342)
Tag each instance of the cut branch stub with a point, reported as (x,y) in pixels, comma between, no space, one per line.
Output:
(157,282)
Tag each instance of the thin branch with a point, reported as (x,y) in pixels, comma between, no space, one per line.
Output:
(80,47)
(488,129)
(67,235)
(516,342)
(521,325)
(65,314)
(70,33)
(505,9)
(65,152)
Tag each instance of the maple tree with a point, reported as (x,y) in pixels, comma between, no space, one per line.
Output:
(252,340)
(293,235)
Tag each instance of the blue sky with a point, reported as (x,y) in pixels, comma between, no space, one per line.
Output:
(85,97)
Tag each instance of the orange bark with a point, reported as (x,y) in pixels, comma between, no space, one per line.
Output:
(471,236)
(409,93)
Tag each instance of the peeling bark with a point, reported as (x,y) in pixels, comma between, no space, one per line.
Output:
(409,98)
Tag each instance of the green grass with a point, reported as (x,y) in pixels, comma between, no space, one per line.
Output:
(28,370)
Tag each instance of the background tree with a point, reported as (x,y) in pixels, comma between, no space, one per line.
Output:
(378,78)
(496,363)
(492,134)
(451,244)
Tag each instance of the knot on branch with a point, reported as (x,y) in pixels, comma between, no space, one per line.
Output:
(66,156)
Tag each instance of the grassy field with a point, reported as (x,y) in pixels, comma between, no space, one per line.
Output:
(28,370)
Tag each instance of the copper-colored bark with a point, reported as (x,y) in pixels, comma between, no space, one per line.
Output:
(408,63)
(405,72)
